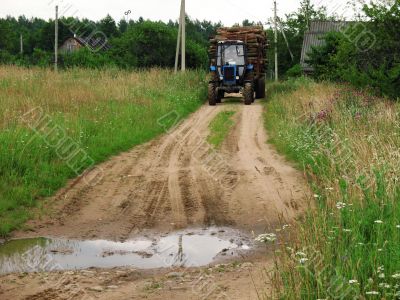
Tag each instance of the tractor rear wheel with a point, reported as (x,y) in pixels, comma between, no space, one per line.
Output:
(212,94)
(260,89)
(248,93)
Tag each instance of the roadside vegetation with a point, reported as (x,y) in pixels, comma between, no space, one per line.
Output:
(101,112)
(220,127)
(347,141)
(365,54)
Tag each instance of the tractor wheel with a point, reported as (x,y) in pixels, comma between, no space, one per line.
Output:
(260,89)
(220,95)
(212,94)
(248,93)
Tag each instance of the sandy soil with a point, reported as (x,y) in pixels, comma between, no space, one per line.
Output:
(173,182)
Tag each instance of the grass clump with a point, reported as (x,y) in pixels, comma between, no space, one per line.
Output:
(347,141)
(101,112)
(220,127)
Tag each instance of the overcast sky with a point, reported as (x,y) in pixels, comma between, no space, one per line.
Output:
(227,11)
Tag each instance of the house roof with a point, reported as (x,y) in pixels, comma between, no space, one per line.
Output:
(93,43)
(313,38)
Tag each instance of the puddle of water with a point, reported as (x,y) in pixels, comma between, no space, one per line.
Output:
(184,248)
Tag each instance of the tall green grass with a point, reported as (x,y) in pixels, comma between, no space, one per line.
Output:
(104,112)
(348,143)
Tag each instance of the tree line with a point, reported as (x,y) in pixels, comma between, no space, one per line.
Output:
(138,43)
(130,44)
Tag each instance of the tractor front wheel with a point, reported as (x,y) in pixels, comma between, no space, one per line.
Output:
(248,93)
(212,94)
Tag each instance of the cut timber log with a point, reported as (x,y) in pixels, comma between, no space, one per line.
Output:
(256,42)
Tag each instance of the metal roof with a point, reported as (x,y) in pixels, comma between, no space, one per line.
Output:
(313,38)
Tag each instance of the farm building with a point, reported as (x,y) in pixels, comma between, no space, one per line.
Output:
(313,38)
(75,43)
(71,44)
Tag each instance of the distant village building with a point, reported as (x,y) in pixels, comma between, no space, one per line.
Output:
(313,37)
(71,45)
(75,43)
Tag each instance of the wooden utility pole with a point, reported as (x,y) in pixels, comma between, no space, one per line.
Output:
(21,45)
(276,42)
(178,44)
(56,42)
(183,20)
(181,39)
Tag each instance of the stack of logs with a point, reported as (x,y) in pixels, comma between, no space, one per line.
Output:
(254,37)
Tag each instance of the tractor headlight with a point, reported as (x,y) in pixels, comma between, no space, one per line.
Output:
(237,77)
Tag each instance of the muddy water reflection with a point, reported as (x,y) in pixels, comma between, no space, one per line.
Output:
(185,248)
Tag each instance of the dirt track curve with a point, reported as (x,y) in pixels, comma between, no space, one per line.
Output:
(178,180)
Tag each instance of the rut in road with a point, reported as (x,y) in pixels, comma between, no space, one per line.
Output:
(178,180)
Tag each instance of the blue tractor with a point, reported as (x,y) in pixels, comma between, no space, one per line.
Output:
(231,71)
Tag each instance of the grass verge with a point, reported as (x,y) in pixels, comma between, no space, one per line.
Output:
(220,127)
(348,143)
(99,113)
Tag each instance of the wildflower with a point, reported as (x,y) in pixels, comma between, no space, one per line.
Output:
(396,276)
(347,230)
(329,189)
(384,285)
(397,226)
(303,260)
(372,293)
(285,226)
(316,196)
(340,205)
(378,222)
(266,237)
(353,281)
(381,275)
(301,254)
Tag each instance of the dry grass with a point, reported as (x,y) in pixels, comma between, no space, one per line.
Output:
(348,143)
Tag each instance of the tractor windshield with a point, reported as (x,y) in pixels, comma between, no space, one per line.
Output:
(231,54)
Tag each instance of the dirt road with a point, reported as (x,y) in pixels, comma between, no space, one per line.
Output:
(179,181)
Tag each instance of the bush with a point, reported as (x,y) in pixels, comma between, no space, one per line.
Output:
(295,71)
(85,58)
(364,54)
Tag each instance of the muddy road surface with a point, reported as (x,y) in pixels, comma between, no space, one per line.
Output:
(174,182)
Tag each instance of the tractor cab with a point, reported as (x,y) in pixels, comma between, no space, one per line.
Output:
(231,62)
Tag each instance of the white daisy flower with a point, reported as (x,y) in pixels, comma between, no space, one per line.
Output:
(372,293)
(396,276)
(266,237)
(353,281)
(303,260)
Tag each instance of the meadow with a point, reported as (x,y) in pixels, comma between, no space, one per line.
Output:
(347,142)
(100,112)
